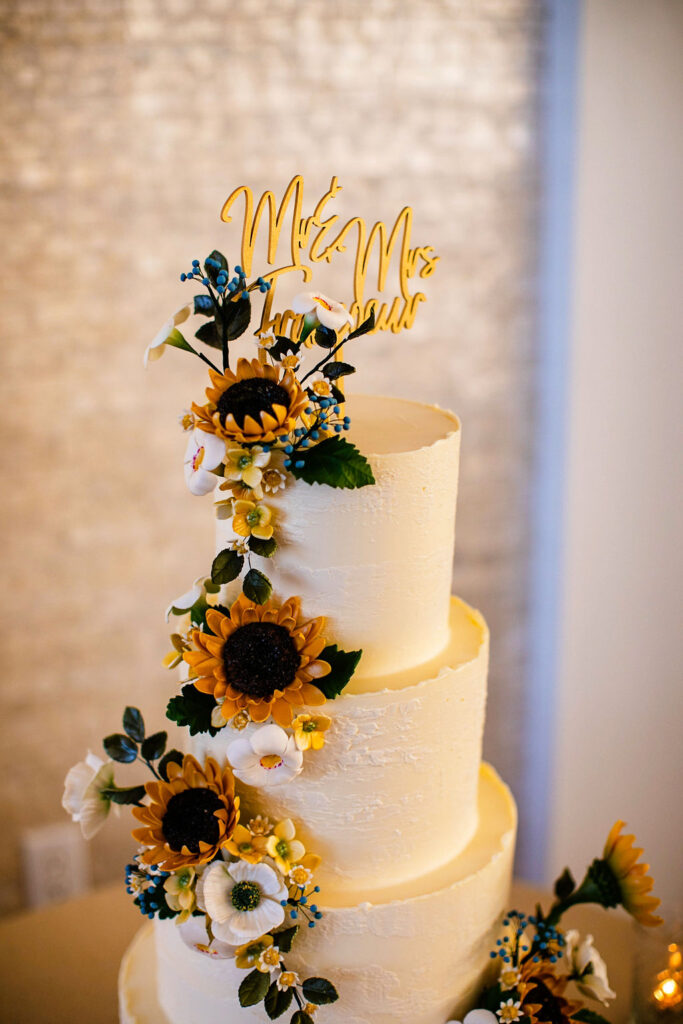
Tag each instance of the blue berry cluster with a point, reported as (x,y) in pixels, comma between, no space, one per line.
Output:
(546,944)
(238,284)
(151,900)
(327,417)
(299,902)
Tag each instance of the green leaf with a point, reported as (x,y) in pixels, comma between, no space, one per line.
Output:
(283,940)
(367,326)
(133,724)
(282,346)
(491,998)
(177,340)
(211,272)
(334,370)
(319,991)
(198,612)
(324,337)
(264,548)
(210,587)
(590,1017)
(335,462)
(192,709)
(208,333)
(170,757)
(227,565)
(204,305)
(125,795)
(343,665)
(120,748)
(301,1018)
(154,746)
(565,885)
(277,1002)
(257,587)
(237,315)
(253,989)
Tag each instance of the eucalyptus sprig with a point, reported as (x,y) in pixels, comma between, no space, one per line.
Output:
(133,745)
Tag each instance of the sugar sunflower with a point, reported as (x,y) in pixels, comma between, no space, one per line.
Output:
(190,817)
(255,405)
(630,882)
(259,658)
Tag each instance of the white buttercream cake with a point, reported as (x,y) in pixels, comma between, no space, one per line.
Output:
(416,835)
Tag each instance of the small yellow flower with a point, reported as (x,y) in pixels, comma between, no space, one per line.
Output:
(290,362)
(244,845)
(239,491)
(631,877)
(310,1009)
(247,956)
(246,464)
(309,731)
(509,1012)
(180,645)
(510,977)
(322,388)
(300,876)
(260,826)
(187,420)
(285,850)
(269,960)
(241,720)
(274,480)
(288,979)
(250,519)
(180,894)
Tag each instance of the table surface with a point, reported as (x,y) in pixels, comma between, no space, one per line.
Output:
(59,965)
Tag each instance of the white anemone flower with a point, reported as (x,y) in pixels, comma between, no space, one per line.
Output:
(155,349)
(588,969)
(83,793)
(328,312)
(204,452)
(243,900)
(268,757)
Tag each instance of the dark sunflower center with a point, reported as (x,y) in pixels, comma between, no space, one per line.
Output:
(260,658)
(245,896)
(190,817)
(251,397)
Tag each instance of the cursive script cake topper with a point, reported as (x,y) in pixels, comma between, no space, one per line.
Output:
(319,237)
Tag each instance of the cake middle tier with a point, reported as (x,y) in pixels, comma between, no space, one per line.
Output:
(393,793)
(376,561)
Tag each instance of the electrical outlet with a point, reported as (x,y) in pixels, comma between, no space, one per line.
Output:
(56,864)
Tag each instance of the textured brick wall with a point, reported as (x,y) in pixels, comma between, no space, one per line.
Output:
(125,125)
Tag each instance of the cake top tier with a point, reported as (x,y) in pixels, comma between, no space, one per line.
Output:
(375,561)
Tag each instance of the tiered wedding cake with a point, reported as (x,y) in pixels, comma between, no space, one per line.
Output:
(416,835)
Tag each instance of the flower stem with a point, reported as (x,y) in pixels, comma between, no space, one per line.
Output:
(322,362)
(151,767)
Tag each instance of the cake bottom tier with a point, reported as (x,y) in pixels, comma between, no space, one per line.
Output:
(416,960)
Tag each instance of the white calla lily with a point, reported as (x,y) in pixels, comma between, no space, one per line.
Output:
(328,312)
(243,900)
(204,453)
(267,757)
(155,349)
(588,969)
(83,795)
(182,604)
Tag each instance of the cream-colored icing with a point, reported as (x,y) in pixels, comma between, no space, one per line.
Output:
(376,561)
(416,960)
(393,794)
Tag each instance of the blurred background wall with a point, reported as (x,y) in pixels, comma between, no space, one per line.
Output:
(125,125)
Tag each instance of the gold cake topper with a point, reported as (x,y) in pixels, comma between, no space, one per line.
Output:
(319,238)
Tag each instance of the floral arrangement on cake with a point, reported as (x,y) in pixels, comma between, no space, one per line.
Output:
(543,974)
(267,420)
